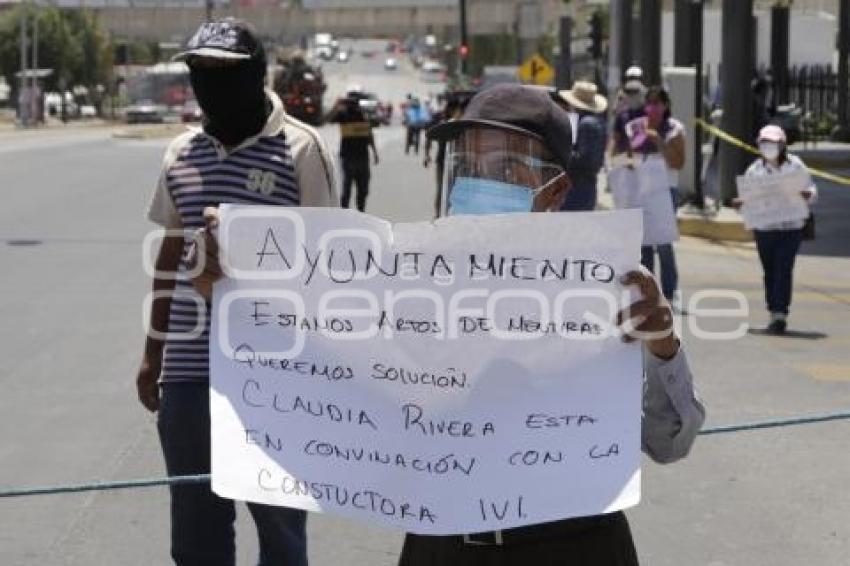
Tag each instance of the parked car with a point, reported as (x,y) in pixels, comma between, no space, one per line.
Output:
(145,112)
(342,56)
(391,64)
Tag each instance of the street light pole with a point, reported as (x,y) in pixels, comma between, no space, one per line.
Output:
(688,43)
(625,53)
(463,37)
(22,111)
(735,78)
(842,130)
(650,49)
(34,79)
(564,75)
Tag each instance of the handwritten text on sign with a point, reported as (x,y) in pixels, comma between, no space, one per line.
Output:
(772,199)
(448,377)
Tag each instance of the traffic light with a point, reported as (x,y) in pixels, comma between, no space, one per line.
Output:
(463,50)
(122,54)
(595,25)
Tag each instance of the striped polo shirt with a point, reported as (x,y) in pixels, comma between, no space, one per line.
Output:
(287,164)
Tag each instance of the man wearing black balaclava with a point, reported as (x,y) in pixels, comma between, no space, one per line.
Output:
(248,152)
(231,93)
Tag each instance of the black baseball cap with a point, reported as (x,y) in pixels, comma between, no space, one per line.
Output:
(516,108)
(225,39)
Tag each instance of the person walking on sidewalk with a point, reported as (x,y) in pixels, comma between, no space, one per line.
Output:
(248,152)
(658,136)
(778,243)
(630,106)
(356,137)
(589,150)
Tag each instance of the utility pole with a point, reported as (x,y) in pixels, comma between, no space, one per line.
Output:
(683,34)
(564,72)
(842,130)
(34,79)
(22,85)
(209,6)
(780,47)
(650,49)
(614,63)
(624,29)
(688,40)
(464,40)
(735,78)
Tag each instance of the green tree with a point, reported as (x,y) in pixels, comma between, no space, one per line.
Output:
(70,42)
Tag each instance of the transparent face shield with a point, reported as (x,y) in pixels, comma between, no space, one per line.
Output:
(491,171)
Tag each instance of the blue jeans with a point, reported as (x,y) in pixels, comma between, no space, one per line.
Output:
(202,531)
(777,252)
(667,259)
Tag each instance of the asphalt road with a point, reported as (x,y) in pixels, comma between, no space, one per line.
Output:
(71,288)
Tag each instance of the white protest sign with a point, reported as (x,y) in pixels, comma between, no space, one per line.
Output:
(625,187)
(645,186)
(448,377)
(772,199)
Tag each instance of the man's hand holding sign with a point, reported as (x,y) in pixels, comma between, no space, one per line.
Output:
(282,416)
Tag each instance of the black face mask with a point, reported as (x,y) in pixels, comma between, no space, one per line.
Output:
(233,100)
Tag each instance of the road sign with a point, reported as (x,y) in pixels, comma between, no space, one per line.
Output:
(536,71)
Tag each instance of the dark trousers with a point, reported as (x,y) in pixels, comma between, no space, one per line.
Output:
(590,541)
(355,172)
(777,252)
(582,195)
(666,257)
(202,531)
(412,140)
(669,272)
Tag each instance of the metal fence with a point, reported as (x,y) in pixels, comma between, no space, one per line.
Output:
(814,90)
(803,99)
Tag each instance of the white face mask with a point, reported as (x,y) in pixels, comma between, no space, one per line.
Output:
(634,100)
(769,150)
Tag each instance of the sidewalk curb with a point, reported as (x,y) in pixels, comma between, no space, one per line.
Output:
(726,226)
(157,131)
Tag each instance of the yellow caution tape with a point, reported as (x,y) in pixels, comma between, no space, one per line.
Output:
(732,140)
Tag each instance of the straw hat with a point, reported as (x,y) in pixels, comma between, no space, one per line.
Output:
(585,96)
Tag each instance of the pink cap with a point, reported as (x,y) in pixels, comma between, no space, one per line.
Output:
(772,134)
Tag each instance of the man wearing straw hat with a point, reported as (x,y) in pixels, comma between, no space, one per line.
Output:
(586,106)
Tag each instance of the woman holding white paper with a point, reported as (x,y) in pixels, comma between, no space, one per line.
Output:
(778,243)
(658,141)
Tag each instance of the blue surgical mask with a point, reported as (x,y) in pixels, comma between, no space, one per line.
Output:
(473,195)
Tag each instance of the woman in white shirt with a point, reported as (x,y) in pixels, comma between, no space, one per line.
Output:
(658,136)
(778,243)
